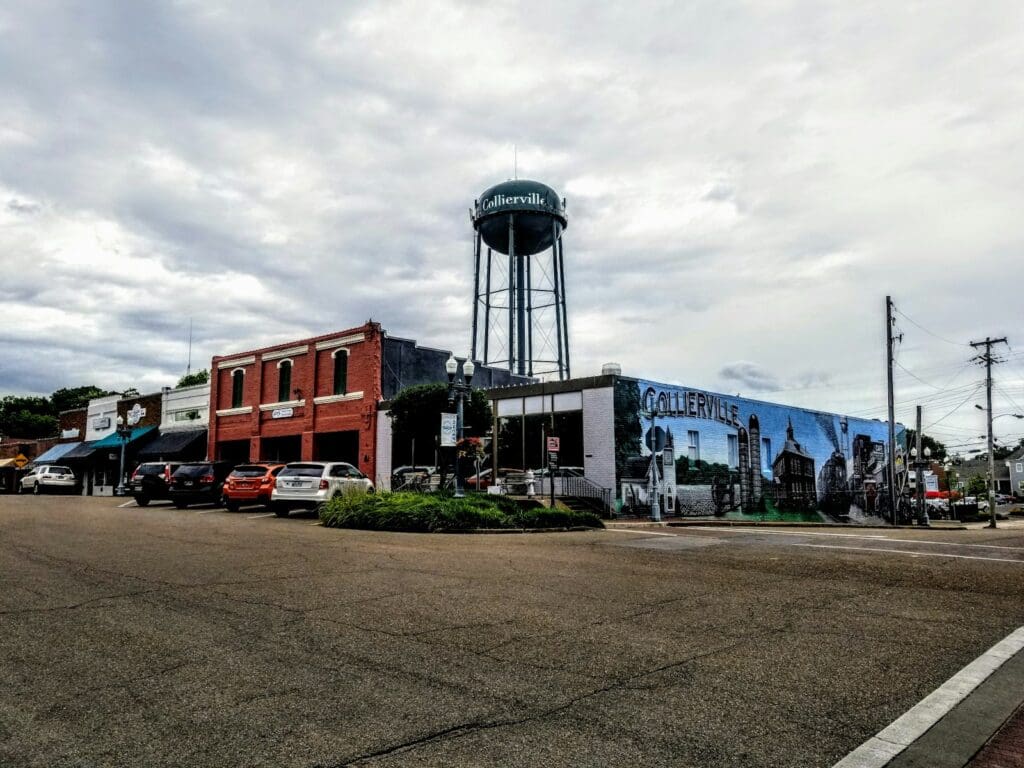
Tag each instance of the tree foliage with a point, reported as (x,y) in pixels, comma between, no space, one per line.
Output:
(69,398)
(27,417)
(193,379)
(416,415)
(977,486)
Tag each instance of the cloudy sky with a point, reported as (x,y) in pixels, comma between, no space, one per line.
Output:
(746,181)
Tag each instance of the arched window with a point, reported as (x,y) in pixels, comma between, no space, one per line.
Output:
(237,387)
(284,381)
(340,371)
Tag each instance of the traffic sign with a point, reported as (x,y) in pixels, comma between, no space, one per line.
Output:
(20,460)
(553,444)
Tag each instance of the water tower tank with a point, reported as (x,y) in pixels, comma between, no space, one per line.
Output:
(523,295)
(536,207)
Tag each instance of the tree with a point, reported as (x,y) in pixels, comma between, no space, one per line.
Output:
(27,417)
(416,415)
(69,398)
(977,486)
(194,379)
(938,449)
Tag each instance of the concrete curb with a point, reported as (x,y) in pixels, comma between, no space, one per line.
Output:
(883,747)
(935,526)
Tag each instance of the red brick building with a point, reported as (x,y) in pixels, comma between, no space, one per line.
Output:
(318,398)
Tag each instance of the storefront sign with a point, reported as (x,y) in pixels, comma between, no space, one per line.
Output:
(282,413)
(69,433)
(135,414)
(101,422)
(449,430)
(698,405)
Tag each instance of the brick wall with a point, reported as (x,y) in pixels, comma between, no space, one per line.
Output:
(315,409)
(69,421)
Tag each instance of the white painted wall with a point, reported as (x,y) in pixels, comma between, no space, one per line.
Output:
(179,404)
(383,479)
(599,436)
(101,417)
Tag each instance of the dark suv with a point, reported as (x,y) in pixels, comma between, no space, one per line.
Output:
(150,481)
(198,482)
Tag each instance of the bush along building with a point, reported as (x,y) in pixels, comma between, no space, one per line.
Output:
(715,454)
(318,398)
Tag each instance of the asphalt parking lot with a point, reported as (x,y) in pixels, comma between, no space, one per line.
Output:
(198,637)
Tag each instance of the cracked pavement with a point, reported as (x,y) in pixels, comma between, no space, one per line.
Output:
(160,637)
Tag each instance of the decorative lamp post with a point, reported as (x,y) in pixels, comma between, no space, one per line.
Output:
(655,505)
(457,392)
(124,432)
(947,466)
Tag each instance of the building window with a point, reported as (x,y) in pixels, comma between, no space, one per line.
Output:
(766,454)
(340,371)
(694,449)
(734,450)
(284,381)
(237,385)
(1020,467)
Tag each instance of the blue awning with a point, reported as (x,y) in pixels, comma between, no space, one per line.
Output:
(114,440)
(55,453)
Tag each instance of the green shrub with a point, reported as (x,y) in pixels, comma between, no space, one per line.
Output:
(421,512)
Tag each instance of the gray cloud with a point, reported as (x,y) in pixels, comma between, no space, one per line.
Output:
(744,182)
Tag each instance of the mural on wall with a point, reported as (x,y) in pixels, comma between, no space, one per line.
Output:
(737,458)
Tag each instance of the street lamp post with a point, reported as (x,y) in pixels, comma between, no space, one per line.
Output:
(123,432)
(947,466)
(655,504)
(457,393)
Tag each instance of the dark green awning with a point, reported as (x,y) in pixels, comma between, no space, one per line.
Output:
(113,440)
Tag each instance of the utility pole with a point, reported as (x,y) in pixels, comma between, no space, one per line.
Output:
(892,408)
(987,359)
(919,470)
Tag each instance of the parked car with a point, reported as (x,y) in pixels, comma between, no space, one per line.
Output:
(309,484)
(1004,498)
(150,481)
(198,482)
(47,477)
(250,484)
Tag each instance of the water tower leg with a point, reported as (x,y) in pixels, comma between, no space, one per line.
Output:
(511,293)
(520,314)
(557,297)
(476,296)
(565,317)
(487,312)
(529,311)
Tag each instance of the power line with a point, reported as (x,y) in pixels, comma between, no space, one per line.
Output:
(939,421)
(930,333)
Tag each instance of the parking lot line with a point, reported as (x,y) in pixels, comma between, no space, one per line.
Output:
(257,517)
(873,536)
(643,533)
(316,523)
(912,554)
(127,504)
(205,511)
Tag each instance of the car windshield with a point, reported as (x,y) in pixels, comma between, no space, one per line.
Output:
(193,470)
(150,469)
(302,470)
(249,471)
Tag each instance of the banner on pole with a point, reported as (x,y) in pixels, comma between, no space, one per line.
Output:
(449,430)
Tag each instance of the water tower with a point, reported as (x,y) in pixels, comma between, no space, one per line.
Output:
(521,298)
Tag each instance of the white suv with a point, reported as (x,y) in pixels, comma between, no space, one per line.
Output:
(47,477)
(308,484)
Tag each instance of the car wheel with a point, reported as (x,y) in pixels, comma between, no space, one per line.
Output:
(36,489)
(142,501)
(231,506)
(279,509)
(180,504)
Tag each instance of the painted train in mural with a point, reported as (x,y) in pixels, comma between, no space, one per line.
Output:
(738,458)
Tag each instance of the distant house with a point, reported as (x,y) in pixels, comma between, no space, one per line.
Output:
(1015,467)
(979,468)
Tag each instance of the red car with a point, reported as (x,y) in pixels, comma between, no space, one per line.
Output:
(250,484)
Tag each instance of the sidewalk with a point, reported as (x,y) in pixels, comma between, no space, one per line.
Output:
(1006,749)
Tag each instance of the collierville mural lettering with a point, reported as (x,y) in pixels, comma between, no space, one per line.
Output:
(698,405)
(534,198)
